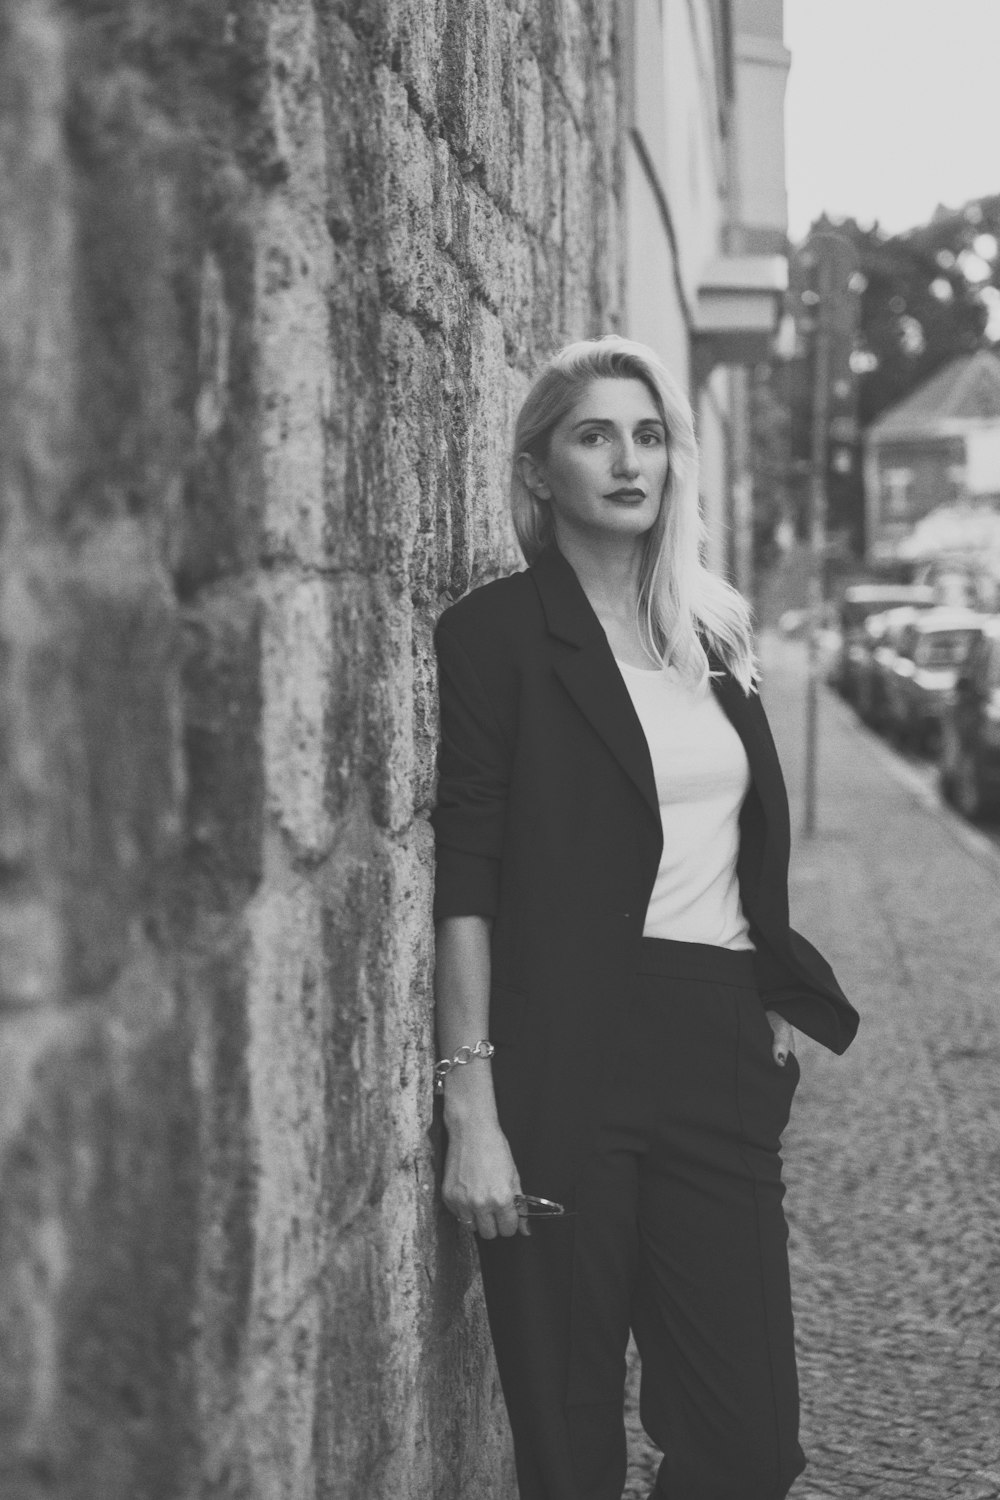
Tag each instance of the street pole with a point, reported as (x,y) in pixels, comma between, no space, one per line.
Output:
(817,532)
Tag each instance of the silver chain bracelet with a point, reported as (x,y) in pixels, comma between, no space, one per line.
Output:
(483,1049)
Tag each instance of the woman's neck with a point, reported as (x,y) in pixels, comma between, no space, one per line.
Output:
(608,571)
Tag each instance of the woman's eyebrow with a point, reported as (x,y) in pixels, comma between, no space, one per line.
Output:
(607,422)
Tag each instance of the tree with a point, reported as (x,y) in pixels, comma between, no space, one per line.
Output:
(928,297)
(915,302)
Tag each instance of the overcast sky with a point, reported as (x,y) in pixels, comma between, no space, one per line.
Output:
(893,107)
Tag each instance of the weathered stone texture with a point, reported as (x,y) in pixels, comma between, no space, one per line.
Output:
(273,279)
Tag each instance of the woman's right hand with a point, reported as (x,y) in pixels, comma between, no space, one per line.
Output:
(481,1180)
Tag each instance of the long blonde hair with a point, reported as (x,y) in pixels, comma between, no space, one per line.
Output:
(682,606)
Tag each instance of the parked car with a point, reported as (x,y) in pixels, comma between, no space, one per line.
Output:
(865,692)
(923,671)
(970,729)
(860,601)
(887,635)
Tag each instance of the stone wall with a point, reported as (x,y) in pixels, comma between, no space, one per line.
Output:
(272,280)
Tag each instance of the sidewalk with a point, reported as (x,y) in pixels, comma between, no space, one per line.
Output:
(892,1158)
(893,1154)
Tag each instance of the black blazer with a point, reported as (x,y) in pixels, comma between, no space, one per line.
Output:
(547,821)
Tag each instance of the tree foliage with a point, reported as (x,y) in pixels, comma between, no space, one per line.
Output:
(927,298)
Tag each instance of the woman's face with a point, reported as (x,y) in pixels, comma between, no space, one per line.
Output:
(607,462)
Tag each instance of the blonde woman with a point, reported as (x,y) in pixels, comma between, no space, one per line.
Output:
(616,976)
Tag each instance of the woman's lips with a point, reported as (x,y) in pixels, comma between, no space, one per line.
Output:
(626,495)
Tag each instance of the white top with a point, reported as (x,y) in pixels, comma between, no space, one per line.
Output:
(702,777)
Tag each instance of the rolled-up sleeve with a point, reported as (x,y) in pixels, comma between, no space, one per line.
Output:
(473,773)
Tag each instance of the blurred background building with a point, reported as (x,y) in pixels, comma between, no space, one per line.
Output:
(908,389)
(935,454)
(706,223)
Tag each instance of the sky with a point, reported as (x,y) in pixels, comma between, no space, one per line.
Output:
(893,106)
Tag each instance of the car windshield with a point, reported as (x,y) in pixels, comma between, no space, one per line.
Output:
(945,648)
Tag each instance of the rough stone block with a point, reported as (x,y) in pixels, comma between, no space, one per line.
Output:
(425,725)
(479,241)
(31,968)
(475,42)
(96,1244)
(517,286)
(530,191)
(438,468)
(402,398)
(286,1056)
(565,50)
(414,52)
(296,371)
(407,168)
(297,658)
(120,758)
(221,677)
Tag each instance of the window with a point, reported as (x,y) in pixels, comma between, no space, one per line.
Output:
(896,484)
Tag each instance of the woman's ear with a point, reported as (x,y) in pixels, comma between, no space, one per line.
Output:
(533,477)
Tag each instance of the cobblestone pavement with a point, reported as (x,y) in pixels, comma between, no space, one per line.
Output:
(893,1154)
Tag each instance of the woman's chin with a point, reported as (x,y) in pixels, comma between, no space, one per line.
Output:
(614,525)
(627,522)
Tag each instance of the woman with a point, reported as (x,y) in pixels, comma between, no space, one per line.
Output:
(612,909)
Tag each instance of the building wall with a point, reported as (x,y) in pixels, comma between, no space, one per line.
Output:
(676,168)
(761,18)
(275,278)
(715,439)
(704,175)
(675,180)
(696,176)
(905,480)
(655,311)
(760,199)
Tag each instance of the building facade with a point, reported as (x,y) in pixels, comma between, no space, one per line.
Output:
(939,449)
(705,228)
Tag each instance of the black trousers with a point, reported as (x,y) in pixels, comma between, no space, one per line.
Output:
(677,1233)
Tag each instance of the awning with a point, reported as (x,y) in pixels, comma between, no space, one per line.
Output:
(740,300)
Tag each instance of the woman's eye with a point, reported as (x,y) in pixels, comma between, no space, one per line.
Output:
(649,439)
(592,438)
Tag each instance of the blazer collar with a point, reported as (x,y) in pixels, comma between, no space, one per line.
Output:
(569,614)
(589,673)
(596,685)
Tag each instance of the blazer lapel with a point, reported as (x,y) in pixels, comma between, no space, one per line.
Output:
(589,673)
(764,828)
(744,713)
(595,684)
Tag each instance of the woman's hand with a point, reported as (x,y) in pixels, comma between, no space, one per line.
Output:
(784,1037)
(480,1180)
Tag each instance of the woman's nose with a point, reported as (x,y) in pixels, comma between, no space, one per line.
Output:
(626,459)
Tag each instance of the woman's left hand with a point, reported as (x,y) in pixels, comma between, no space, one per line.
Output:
(784,1037)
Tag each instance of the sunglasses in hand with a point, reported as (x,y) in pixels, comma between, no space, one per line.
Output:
(530,1207)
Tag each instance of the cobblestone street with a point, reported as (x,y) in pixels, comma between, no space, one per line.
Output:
(893,1153)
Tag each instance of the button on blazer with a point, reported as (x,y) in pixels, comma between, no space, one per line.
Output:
(547,821)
